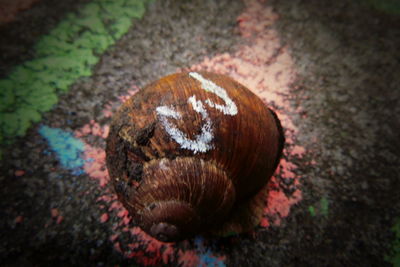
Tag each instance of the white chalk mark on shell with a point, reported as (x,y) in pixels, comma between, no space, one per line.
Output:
(202,142)
(168,112)
(230,107)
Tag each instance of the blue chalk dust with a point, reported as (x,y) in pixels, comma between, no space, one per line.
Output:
(67,147)
(206,256)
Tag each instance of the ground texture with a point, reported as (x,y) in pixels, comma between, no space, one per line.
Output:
(331,71)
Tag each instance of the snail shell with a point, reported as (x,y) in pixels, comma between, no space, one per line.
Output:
(192,153)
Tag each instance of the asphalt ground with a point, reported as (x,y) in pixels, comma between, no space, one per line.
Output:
(329,70)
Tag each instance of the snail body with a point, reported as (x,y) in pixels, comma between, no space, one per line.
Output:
(192,153)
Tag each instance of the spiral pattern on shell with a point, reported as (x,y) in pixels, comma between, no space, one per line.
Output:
(192,153)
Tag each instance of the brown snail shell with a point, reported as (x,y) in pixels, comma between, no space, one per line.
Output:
(192,153)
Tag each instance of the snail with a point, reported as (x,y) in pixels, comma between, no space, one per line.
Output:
(192,153)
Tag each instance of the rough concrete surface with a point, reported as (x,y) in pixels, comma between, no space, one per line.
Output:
(340,106)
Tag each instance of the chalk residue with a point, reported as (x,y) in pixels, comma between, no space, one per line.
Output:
(95,164)
(230,107)
(202,142)
(67,148)
(93,128)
